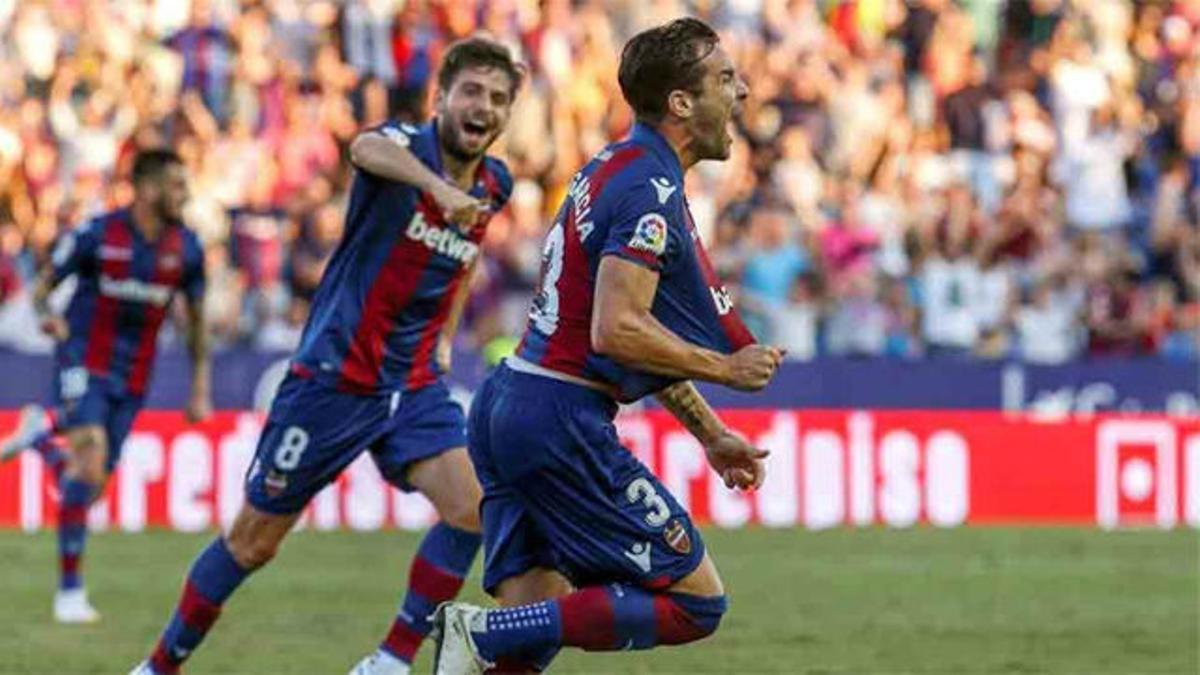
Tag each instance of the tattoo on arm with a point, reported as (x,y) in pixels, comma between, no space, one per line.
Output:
(689,407)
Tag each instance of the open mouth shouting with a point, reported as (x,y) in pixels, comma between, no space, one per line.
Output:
(475,132)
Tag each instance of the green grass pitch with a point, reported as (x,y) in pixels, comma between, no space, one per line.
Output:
(918,601)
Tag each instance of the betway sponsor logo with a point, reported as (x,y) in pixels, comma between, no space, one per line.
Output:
(721,299)
(442,240)
(133,290)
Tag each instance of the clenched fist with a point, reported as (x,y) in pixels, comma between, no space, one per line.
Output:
(460,208)
(752,367)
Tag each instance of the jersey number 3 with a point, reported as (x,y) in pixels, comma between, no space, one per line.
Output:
(545,304)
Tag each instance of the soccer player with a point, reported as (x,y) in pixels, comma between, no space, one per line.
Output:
(367,374)
(628,305)
(129,264)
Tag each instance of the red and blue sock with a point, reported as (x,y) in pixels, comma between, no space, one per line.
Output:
(436,575)
(598,618)
(72,530)
(213,578)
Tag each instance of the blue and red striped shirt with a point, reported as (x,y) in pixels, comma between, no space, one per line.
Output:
(387,292)
(628,202)
(125,286)
(209,60)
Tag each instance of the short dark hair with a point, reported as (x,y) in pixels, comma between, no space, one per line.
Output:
(479,52)
(151,163)
(660,60)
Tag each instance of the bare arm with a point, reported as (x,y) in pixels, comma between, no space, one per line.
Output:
(624,330)
(693,412)
(388,156)
(54,326)
(737,462)
(450,328)
(202,121)
(384,156)
(200,400)
(43,287)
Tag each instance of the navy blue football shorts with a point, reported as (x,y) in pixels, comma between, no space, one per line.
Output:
(561,492)
(85,400)
(314,432)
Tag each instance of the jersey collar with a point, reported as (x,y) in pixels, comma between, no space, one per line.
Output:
(431,127)
(649,137)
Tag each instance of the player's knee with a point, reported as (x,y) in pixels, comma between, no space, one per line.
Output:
(251,552)
(89,452)
(462,514)
(448,480)
(94,470)
(88,472)
(89,440)
(704,581)
(534,585)
(88,468)
(255,537)
(692,618)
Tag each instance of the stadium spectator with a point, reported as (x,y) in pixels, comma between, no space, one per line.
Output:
(320,234)
(879,133)
(794,325)
(951,283)
(858,323)
(208,54)
(1047,331)
(776,260)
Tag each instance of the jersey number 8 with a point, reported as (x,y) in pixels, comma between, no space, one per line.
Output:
(291,448)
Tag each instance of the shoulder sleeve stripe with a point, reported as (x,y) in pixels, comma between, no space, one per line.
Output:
(620,159)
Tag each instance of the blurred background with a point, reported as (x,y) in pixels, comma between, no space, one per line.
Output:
(950,212)
(921,180)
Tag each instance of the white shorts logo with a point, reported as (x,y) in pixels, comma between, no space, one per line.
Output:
(73,383)
(639,553)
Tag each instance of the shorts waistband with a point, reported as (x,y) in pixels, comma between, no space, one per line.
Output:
(301,371)
(514,370)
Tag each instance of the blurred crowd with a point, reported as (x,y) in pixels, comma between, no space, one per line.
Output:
(920,179)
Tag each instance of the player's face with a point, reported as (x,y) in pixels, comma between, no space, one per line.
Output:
(474,111)
(172,190)
(722,91)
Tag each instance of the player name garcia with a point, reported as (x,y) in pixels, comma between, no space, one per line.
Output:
(442,240)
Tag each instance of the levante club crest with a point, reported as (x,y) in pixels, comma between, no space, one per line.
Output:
(677,537)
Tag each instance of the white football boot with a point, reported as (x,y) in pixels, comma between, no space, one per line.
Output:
(381,663)
(72,606)
(456,653)
(33,422)
(143,668)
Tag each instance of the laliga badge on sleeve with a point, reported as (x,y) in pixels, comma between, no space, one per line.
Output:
(650,234)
